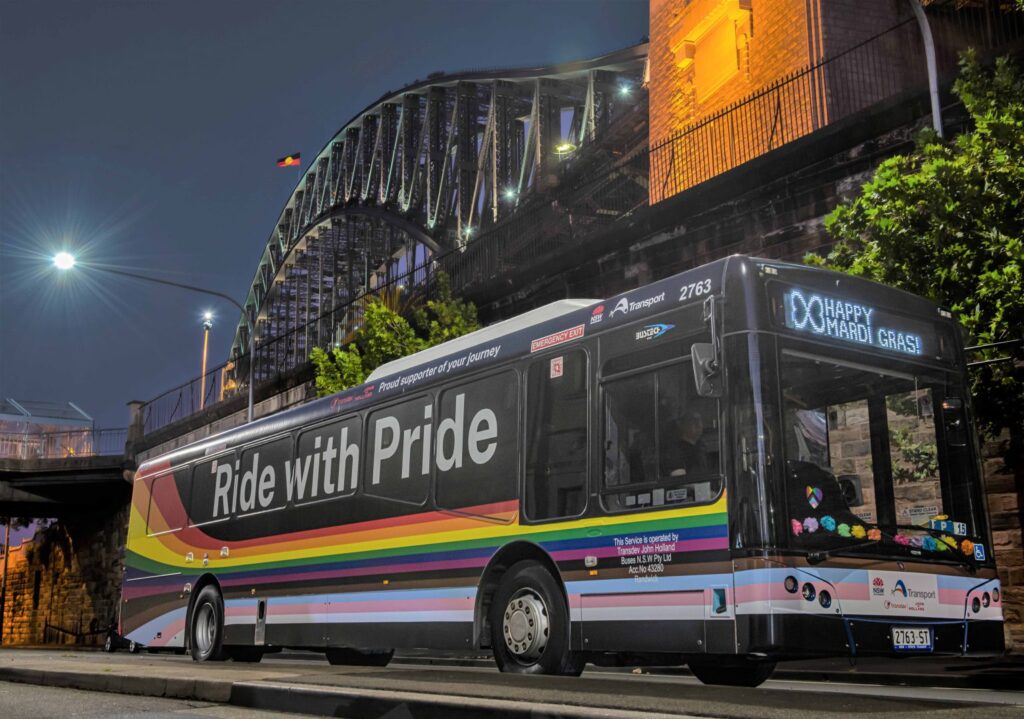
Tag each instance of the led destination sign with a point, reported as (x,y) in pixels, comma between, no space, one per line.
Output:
(850,321)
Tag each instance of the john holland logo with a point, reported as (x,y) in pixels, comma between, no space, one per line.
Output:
(900,588)
(651,332)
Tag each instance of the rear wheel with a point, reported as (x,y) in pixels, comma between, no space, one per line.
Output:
(206,627)
(530,624)
(133,648)
(344,656)
(732,672)
(108,643)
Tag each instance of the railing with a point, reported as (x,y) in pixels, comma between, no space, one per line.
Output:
(883,66)
(62,445)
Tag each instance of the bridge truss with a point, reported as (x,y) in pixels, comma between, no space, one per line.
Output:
(424,171)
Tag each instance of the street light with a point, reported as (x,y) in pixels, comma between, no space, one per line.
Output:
(65,261)
(207,324)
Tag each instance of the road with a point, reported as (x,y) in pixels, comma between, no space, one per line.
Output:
(427,691)
(25,700)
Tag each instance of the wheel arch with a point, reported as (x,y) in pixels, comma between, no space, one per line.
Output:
(496,568)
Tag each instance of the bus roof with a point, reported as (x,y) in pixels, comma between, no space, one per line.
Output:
(524,321)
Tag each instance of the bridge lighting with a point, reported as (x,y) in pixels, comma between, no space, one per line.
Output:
(64,260)
(207,319)
(564,149)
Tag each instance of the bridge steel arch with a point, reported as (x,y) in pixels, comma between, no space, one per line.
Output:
(420,171)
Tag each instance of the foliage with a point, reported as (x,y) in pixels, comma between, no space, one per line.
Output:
(947,222)
(386,334)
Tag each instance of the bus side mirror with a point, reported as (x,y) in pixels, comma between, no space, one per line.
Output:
(706,376)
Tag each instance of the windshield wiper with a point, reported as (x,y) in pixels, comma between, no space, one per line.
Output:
(819,557)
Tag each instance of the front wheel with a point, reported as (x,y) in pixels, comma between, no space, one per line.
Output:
(206,627)
(732,672)
(530,624)
(134,648)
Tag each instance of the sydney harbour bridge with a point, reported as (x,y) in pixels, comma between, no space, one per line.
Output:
(407,185)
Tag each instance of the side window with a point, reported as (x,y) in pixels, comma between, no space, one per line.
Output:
(167,504)
(400,445)
(661,440)
(226,487)
(327,462)
(479,445)
(556,436)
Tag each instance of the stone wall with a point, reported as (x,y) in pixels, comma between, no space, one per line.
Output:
(68,578)
(1003,491)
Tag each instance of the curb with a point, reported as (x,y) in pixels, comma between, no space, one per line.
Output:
(210,690)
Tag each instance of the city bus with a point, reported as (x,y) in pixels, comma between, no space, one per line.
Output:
(748,462)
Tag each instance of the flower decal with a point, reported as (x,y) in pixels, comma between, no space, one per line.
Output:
(811,525)
(797,527)
(828,523)
(844,530)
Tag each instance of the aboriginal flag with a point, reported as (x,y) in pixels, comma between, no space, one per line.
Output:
(289,160)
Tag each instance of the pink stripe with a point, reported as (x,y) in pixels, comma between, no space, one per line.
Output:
(167,633)
(240,611)
(645,599)
(409,605)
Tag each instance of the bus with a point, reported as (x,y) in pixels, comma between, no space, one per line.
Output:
(748,462)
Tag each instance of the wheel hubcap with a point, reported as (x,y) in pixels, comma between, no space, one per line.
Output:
(525,625)
(206,629)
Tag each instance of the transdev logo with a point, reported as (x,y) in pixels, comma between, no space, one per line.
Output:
(900,588)
(651,332)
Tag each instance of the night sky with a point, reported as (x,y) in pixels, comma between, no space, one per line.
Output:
(143,134)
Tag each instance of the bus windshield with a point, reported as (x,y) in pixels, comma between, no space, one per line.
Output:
(878,458)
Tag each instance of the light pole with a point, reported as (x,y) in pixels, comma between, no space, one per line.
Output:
(207,324)
(66,261)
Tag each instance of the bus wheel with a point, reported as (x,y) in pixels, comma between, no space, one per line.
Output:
(344,656)
(530,624)
(733,673)
(134,648)
(206,629)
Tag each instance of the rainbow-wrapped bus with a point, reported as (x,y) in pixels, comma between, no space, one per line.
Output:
(748,462)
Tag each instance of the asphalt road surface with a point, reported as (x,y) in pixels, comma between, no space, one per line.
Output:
(35,702)
(307,684)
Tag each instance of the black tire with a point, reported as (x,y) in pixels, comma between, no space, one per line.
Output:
(344,656)
(206,626)
(529,622)
(134,648)
(245,654)
(732,672)
(109,644)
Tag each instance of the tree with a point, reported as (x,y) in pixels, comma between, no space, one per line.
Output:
(386,334)
(947,222)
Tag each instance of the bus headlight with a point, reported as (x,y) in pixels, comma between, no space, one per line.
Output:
(791,584)
(825,599)
(808,592)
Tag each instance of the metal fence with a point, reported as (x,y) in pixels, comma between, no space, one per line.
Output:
(879,68)
(62,445)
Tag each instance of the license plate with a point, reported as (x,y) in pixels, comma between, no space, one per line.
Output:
(912,638)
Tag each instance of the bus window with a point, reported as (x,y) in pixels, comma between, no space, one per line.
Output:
(556,436)
(837,438)
(661,441)
(913,451)
(333,451)
(167,504)
(400,453)
(489,453)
